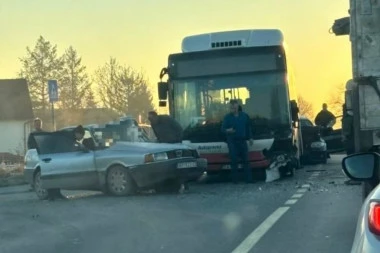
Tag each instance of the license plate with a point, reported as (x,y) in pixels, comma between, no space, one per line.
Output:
(186,165)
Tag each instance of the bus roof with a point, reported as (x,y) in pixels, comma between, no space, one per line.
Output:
(232,39)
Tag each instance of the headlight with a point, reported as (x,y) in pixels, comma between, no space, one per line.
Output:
(149,158)
(318,145)
(160,156)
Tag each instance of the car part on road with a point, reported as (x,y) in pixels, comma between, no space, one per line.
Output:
(119,182)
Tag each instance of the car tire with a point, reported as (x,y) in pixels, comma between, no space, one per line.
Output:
(119,182)
(42,194)
(169,186)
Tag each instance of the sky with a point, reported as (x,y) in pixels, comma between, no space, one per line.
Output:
(142,33)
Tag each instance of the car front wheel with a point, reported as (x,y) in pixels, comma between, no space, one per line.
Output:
(119,182)
(42,193)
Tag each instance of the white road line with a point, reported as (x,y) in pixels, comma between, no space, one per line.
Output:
(303,190)
(254,237)
(291,201)
(260,231)
(297,196)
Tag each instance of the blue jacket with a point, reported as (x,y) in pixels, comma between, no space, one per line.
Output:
(241,124)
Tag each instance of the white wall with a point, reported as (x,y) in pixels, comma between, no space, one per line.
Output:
(12,136)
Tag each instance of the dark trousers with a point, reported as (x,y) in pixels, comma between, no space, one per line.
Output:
(239,149)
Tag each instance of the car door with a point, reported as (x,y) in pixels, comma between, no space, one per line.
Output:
(63,163)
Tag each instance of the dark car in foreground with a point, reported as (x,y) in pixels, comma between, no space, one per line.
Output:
(365,167)
(59,162)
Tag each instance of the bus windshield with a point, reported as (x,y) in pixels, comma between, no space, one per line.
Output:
(201,104)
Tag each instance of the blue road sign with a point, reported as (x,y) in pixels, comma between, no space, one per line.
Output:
(53,90)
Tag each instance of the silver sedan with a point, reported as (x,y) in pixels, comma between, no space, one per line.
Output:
(59,162)
(366,167)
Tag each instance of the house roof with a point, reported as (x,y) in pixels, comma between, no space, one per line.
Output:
(15,102)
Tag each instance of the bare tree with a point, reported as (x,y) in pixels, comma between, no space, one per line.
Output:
(306,108)
(336,99)
(90,101)
(74,82)
(38,66)
(123,89)
(138,95)
(111,91)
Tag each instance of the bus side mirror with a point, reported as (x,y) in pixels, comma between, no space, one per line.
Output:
(294,110)
(163,88)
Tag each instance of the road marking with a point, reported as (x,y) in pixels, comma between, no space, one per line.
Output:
(303,190)
(297,196)
(260,231)
(254,237)
(291,201)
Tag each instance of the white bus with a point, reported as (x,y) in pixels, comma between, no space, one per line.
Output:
(247,65)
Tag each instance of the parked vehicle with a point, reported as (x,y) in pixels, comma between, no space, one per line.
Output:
(366,167)
(318,143)
(59,162)
(314,147)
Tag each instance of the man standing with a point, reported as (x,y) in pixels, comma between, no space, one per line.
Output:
(325,118)
(166,129)
(37,128)
(237,127)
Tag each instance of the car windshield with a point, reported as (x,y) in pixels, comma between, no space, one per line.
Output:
(201,104)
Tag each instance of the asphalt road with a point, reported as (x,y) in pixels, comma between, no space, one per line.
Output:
(312,212)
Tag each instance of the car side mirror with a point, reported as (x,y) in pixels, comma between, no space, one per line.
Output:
(360,167)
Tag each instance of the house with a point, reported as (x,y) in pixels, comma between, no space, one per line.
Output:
(16,115)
